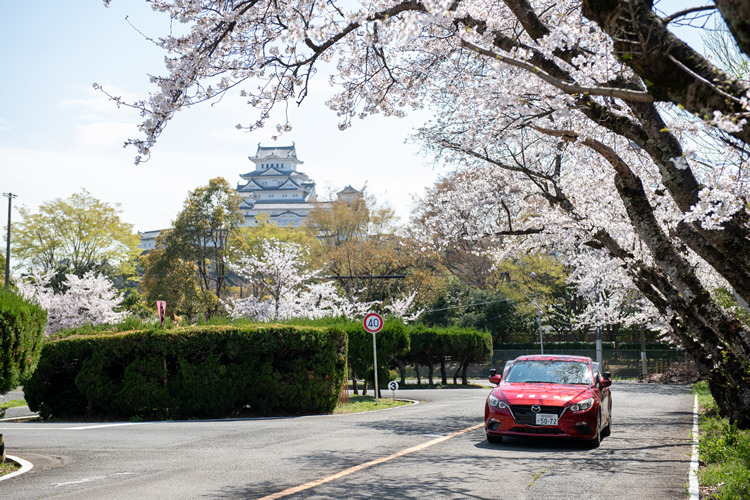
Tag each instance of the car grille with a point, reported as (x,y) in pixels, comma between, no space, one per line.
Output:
(537,430)
(523,414)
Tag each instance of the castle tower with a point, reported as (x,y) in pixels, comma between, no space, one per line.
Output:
(276,187)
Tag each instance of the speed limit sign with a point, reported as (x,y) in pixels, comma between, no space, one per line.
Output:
(373,322)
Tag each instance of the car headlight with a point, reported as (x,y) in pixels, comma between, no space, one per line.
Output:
(493,401)
(582,405)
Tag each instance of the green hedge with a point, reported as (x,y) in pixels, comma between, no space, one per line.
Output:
(435,345)
(22,332)
(204,371)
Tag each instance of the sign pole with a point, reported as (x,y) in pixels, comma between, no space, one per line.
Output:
(373,323)
(393,385)
(375,363)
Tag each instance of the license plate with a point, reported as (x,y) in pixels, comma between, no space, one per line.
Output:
(546,419)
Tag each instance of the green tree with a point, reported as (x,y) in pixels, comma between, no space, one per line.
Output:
(169,278)
(2,269)
(202,234)
(21,333)
(359,246)
(496,313)
(76,234)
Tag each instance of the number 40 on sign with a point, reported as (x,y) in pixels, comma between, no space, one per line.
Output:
(373,322)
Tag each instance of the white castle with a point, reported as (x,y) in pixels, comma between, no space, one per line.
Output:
(276,188)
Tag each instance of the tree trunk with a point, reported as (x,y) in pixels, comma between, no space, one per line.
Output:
(464,370)
(443,375)
(401,369)
(430,371)
(456,373)
(733,400)
(355,391)
(419,377)
(715,340)
(736,13)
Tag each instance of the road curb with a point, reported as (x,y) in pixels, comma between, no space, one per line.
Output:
(25,467)
(694,487)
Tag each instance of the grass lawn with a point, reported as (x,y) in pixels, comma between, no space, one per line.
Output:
(724,453)
(8,467)
(13,403)
(359,404)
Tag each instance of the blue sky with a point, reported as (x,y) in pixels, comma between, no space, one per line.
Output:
(58,135)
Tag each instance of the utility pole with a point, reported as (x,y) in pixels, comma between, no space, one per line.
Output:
(10,197)
(538,313)
(644,360)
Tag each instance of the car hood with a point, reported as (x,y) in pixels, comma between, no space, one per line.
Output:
(540,394)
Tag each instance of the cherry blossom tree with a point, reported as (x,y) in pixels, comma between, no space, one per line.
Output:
(613,135)
(90,299)
(402,308)
(277,270)
(288,290)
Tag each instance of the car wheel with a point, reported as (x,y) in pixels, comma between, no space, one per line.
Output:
(494,439)
(597,439)
(608,430)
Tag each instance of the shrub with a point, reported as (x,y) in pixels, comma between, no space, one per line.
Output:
(22,330)
(203,371)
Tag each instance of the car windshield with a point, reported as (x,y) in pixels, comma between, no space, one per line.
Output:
(549,371)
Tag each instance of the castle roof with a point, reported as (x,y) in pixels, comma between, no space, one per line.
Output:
(276,153)
(273,172)
(280,205)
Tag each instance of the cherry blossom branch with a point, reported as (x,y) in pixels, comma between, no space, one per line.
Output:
(641,214)
(568,88)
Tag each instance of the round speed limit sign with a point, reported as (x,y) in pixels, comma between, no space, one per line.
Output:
(373,322)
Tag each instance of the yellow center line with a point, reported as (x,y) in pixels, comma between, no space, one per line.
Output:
(352,470)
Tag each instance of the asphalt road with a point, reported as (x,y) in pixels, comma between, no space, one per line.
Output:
(647,455)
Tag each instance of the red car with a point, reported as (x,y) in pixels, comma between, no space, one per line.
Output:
(555,396)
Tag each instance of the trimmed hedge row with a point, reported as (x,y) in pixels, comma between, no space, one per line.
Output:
(435,345)
(21,336)
(204,371)
(392,341)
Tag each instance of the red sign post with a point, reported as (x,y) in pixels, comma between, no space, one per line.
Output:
(161,306)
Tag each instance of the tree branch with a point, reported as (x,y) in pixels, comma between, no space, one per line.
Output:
(568,88)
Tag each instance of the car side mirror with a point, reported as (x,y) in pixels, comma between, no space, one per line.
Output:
(495,379)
